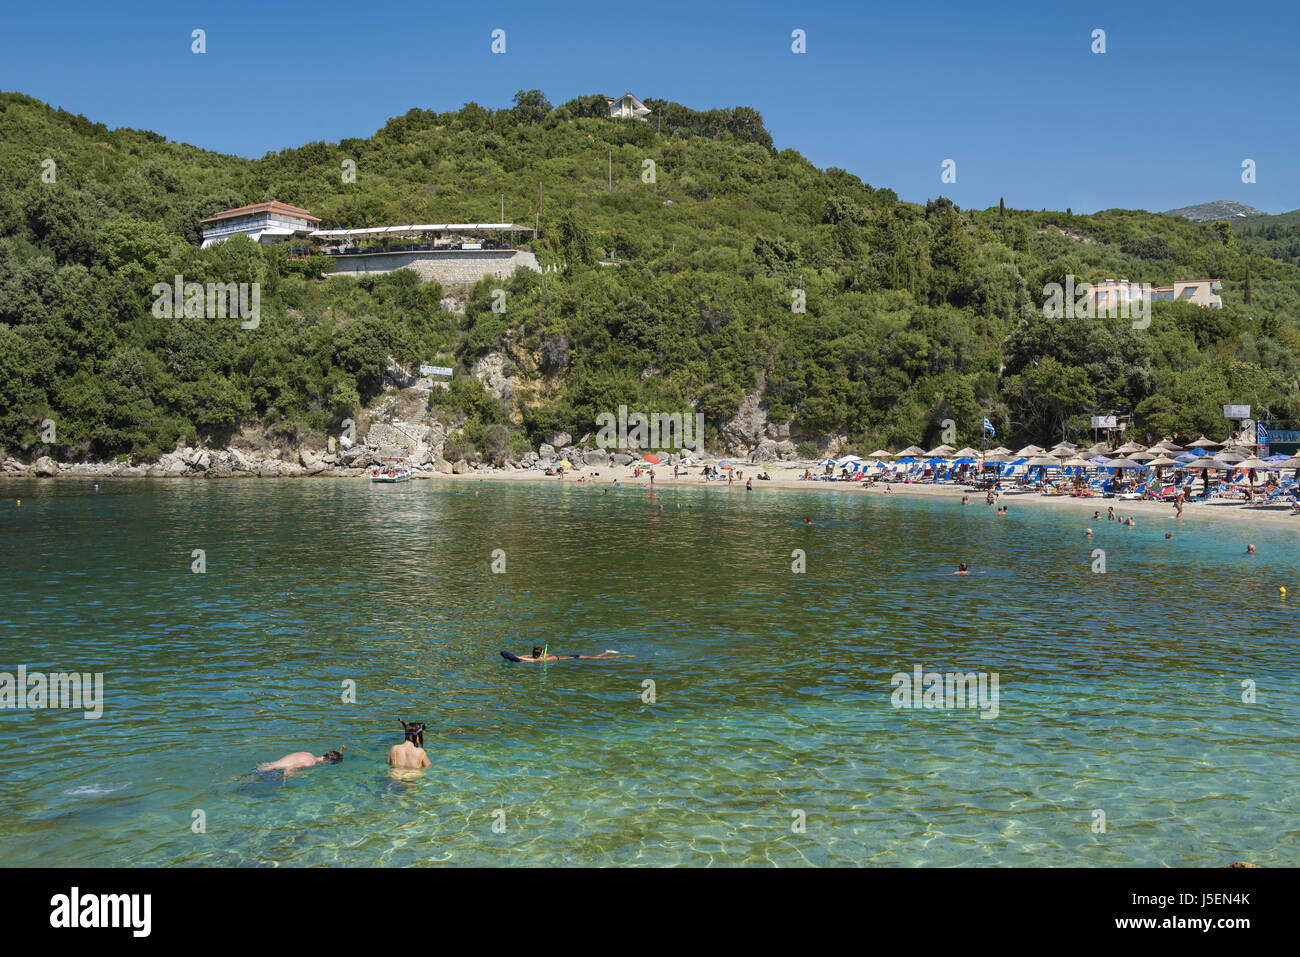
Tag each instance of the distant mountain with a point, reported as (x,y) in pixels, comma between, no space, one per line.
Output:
(1219,209)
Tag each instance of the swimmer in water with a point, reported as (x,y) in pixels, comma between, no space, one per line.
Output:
(1168,535)
(965,499)
(302,759)
(1087,533)
(962,569)
(539,654)
(1250,549)
(807,520)
(410,753)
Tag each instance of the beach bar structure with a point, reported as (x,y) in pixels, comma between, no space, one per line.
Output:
(369,240)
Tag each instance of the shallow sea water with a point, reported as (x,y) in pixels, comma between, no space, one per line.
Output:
(1118,692)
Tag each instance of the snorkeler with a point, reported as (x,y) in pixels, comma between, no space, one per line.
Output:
(410,753)
(303,759)
(539,654)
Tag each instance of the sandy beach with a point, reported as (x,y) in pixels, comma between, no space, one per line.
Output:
(784,480)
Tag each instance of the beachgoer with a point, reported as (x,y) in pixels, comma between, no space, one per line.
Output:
(1168,535)
(962,569)
(1250,549)
(1110,514)
(1087,533)
(410,753)
(807,520)
(538,655)
(302,759)
(965,499)
(749,485)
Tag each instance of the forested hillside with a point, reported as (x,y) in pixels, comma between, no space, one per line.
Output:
(914,313)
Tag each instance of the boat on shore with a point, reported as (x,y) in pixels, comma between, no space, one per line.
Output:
(390,469)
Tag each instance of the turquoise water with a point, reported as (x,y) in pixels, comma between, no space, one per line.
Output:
(1119,692)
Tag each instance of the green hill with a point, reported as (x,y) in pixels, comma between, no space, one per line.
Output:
(914,314)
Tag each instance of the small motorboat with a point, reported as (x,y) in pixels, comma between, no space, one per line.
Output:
(390,469)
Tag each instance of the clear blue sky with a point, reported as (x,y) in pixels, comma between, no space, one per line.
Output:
(1010,91)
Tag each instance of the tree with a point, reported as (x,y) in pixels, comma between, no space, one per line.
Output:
(531,106)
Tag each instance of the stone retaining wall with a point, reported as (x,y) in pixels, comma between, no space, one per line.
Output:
(445,266)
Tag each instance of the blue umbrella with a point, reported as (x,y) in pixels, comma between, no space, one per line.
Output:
(964,461)
(908,459)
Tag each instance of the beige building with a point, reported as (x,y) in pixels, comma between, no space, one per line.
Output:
(1112,294)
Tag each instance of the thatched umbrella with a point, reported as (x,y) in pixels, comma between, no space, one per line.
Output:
(1032,450)
(1128,447)
(882,454)
(911,450)
(1204,443)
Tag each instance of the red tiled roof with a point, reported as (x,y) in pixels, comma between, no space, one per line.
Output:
(271,207)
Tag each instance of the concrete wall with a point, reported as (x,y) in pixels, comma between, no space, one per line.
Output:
(446,266)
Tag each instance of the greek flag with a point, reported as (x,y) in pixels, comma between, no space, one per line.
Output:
(988,427)
(1261,435)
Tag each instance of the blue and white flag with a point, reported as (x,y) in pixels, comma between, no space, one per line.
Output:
(988,427)
(1261,434)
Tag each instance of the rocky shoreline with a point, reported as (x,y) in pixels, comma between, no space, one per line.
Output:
(353,462)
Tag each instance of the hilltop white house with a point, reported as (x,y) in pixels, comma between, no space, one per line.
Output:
(264,223)
(627,106)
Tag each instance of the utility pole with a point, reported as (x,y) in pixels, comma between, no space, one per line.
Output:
(611,171)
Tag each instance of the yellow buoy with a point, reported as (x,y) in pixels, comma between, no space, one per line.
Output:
(1281,590)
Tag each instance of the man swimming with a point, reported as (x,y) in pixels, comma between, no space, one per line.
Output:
(540,655)
(962,569)
(410,753)
(302,759)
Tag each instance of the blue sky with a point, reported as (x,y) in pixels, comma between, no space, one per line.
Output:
(1011,92)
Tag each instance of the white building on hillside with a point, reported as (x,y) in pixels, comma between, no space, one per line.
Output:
(627,106)
(264,223)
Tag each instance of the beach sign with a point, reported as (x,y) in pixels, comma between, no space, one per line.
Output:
(436,370)
(1104,422)
(1236,412)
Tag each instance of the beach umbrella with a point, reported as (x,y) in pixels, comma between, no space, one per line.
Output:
(1128,447)
(1254,463)
(1042,460)
(1032,450)
(882,454)
(1076,463)
(1124,463)
(1162,461)
(1098,460)
(941,451)
(1000,450)
(1291,463)
(1142,456)
(967,452)
(1204,443)
(1167,445)
(907,460)
(1100,448)
(965,460)
(850,459)
(912,450)
(566,463)
(1231,456)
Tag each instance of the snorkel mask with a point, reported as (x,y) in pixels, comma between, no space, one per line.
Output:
(414,731)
